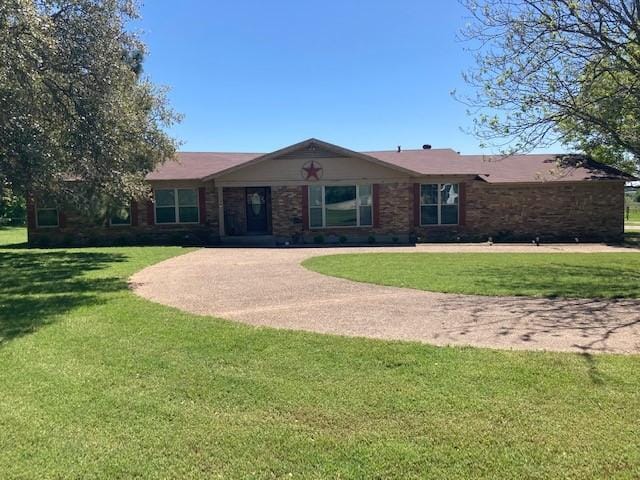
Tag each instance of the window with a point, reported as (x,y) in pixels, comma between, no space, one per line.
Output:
(46,214)
(340,206)
(121,216)
(177,205)
(439,204)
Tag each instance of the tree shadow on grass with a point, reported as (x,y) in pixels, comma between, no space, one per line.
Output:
(560,279)
(582,325)
(38,286)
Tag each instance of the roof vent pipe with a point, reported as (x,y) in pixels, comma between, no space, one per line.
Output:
(399,148)
(426,146)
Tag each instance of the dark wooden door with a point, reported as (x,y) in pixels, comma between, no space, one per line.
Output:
(257,210)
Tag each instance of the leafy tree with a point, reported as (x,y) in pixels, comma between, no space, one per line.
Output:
(13,208)
(77,119)
(550,71)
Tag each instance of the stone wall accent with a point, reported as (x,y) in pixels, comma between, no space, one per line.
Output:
(235,210)
(286,212)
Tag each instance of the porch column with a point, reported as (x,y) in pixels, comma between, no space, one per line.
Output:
(221,211)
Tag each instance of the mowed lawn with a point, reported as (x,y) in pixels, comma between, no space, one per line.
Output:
(634,215)
(573,275)
(98,383)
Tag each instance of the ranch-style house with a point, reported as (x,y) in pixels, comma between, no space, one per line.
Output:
(316,192)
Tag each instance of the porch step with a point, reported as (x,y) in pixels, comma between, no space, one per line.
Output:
(249,240)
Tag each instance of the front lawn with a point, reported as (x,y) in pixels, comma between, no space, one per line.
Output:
(98,383)
(577,275)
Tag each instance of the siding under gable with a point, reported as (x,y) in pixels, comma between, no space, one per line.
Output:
(288,169)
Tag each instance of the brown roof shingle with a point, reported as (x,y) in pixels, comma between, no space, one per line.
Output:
(198,165)
(493,169)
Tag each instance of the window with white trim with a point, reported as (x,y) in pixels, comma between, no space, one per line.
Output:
(177,205)
(340,206)
(47,214)
(439,204)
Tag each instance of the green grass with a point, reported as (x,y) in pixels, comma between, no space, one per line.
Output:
(634,215)
(98,383)
(579,275)
(12,237)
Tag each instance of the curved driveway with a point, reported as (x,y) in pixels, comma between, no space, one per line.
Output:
(269,287)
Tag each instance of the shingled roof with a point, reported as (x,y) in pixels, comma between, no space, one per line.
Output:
(530,168)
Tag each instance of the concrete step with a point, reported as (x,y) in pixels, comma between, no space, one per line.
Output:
(249,240)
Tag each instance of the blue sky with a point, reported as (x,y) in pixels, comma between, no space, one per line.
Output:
(255,75)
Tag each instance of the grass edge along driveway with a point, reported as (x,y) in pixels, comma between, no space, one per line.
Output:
(99,383)
(570,275)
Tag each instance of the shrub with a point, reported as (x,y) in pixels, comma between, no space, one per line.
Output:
(318,239)
(372,239)
(343,239)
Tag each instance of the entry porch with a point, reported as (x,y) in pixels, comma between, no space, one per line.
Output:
(259,214)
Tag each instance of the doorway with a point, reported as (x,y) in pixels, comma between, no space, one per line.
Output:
(258,210)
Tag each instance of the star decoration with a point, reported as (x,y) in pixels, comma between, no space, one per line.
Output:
(312,171)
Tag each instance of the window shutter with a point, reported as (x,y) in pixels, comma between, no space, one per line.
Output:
(462,201)
(31,213)
(376,204)
(134,213)
(62,219)
(416,204)
(202,204)
(305,207)
(150,213)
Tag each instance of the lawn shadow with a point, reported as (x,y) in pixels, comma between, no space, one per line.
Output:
(631,240)
(582,325)
(561,279)
(38,286)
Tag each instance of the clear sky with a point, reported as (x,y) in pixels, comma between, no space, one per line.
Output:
(257,75)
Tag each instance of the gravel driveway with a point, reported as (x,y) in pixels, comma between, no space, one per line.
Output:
(269,287)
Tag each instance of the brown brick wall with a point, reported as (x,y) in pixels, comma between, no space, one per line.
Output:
(78,230)
(286,208)
(396,214)
(235,210)
(211,202)
(590,211)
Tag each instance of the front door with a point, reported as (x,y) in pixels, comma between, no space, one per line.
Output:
(257,210)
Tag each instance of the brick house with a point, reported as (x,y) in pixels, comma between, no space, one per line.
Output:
(315,192)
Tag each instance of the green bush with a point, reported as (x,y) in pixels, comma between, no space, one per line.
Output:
(318,239)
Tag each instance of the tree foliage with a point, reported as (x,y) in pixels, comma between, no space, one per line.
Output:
(74,105)
(13,208)
(550,71)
